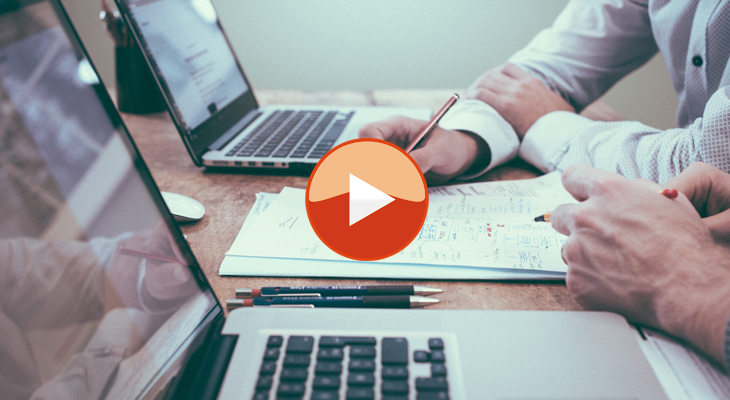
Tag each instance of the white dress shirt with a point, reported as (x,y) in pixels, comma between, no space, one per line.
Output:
(591,46)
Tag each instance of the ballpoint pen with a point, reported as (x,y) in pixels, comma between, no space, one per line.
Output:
(380,290)
(335,301)
(432,123)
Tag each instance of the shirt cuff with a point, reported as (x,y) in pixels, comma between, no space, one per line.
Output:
(549,138)
(482,120)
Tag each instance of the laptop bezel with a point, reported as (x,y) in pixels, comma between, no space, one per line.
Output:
(172,365)
(214,126)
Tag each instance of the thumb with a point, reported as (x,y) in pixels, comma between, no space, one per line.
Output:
(424,158)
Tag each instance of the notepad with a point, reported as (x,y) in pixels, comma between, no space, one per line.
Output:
(472,231)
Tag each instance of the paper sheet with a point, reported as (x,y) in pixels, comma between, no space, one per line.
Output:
(485,225)
(683,374)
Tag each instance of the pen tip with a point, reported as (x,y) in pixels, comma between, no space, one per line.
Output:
(457,96)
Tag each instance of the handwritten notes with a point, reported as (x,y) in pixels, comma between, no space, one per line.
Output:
(484,225)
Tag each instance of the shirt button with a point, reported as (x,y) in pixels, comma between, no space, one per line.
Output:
(697,61)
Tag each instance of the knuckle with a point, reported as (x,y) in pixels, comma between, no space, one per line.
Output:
(584,218)
(606,187)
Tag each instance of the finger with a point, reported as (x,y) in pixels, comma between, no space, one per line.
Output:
(514,72)
(563,218)
(496,81)
(398,130)
(486,96)
(424,157)
(719,225)
(582,180)
(695,182)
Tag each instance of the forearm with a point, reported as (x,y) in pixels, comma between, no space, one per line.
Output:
(632,149)
(591,46)
(696,308)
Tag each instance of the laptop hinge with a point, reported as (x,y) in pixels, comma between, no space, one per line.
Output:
(222,141)
(204,369)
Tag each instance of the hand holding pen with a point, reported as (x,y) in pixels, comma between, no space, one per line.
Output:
(443,154)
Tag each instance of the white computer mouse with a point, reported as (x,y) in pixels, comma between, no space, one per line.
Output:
(183,208)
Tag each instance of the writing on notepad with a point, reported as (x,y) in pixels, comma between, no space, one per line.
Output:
(483,225)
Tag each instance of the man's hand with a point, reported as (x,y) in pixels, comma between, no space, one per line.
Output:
(518,97)
(442,155)
(652,259)
(708,189)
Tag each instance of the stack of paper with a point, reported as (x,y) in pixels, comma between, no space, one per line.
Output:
(472,231)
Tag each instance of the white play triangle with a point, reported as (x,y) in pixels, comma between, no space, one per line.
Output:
(365,199)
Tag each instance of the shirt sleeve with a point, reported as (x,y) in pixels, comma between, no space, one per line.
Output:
(482,120)
(632,149)
(590,46)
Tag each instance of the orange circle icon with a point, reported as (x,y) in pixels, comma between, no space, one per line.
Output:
(367,199)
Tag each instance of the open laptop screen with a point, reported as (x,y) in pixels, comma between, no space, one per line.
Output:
(184,44)
(192,55)
(98,291)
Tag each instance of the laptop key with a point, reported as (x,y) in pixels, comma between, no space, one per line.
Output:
(394,387)
(328,367)
(261,396)
(271,354)
(395,351)
(438,356)
(339,341)
(431,384)
(392,372)
(325,395)
(362,365)
(360,394)
(420,356)
(268,368)
(264,383)
(435,344)
(275,341)
(334,353)
(294,374)
(300,344)
(290,389)
(326,382)
(360,351)
(361,379)
(395,397)
(432,396)
(296,360)
(438,369)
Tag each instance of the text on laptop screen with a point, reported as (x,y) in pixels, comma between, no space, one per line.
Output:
(97,296)
(192,56)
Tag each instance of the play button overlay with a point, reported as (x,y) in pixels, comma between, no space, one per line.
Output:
(366,199)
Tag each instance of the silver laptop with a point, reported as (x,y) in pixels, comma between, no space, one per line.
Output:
(103,299)
(213,105)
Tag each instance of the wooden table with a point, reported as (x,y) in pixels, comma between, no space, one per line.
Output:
(228,197)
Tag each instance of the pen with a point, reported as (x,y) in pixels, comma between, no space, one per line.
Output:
(382,290)
(432,123)
(335,301)
(668,193)
(544,218)
(144,254)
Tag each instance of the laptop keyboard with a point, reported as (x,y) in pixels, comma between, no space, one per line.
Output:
(346,367)
(280,135)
